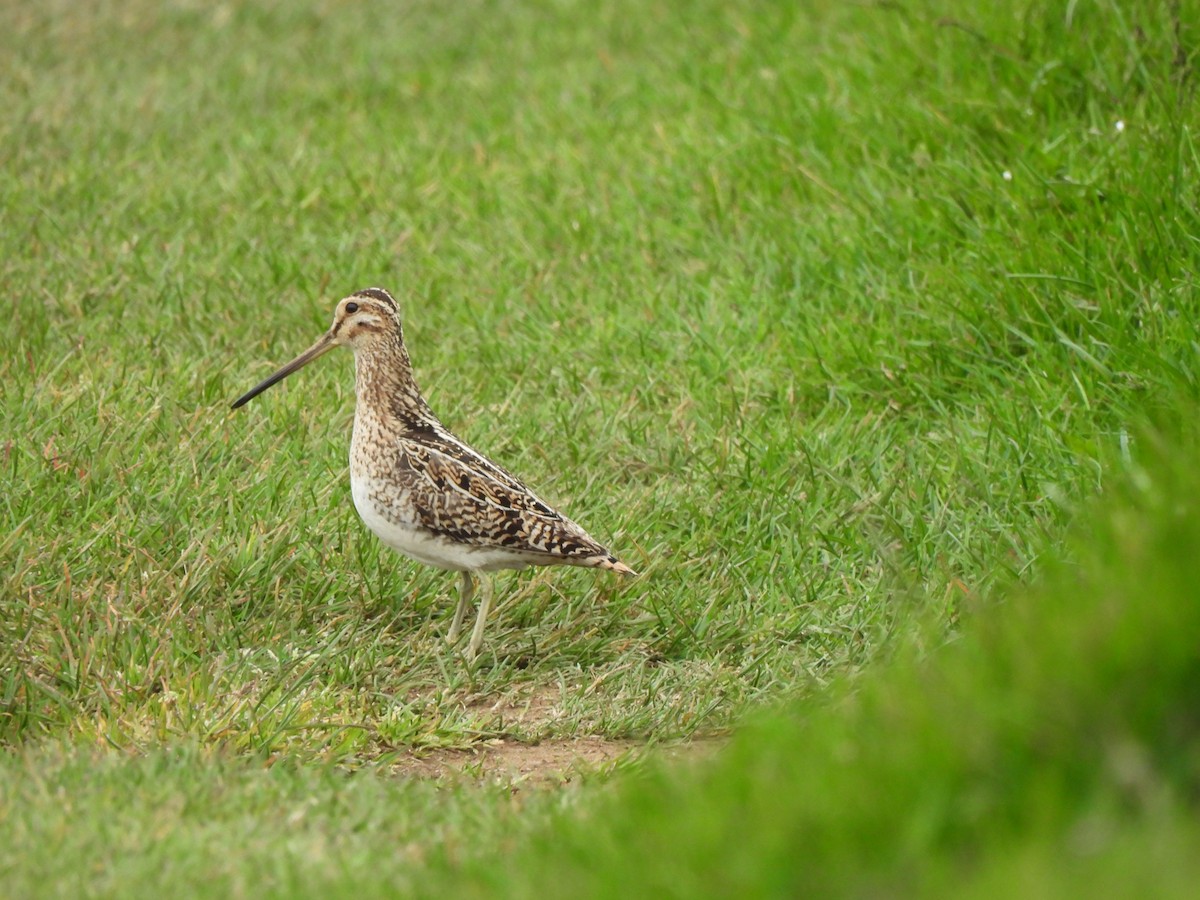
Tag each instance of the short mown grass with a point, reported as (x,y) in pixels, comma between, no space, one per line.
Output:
(1051,748)
(828,318)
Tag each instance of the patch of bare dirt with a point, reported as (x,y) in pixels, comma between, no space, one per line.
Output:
(546,762)
(525,750)
(526,710)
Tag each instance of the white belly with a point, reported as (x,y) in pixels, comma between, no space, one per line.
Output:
(402,537)
(425,547)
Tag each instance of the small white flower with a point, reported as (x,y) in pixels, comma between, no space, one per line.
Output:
(1007,175)
(1120,126)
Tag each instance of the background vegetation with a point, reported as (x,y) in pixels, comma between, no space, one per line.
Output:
(830,318)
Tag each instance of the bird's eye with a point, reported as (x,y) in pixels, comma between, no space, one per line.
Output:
(351,307)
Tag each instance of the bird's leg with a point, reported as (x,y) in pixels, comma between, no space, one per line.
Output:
(485,601)
(465,591)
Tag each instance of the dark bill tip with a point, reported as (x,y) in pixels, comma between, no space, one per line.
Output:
(317,349)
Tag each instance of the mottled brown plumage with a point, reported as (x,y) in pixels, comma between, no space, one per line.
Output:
(420,489)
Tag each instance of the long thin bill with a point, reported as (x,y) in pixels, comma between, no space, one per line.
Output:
(324,345)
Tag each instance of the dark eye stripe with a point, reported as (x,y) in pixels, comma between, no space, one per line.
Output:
(377,294)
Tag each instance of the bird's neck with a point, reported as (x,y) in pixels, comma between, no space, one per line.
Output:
(385,388)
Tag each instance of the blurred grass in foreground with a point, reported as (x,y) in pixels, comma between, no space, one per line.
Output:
(1052,749)
(829,316)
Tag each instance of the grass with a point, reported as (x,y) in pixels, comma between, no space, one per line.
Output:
(1053,745)
(828,319)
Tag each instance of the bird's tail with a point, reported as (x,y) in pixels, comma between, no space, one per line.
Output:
(615,565)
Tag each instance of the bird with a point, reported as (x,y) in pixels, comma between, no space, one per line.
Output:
(423,491)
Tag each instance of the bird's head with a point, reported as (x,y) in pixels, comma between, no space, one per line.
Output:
(365,319)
